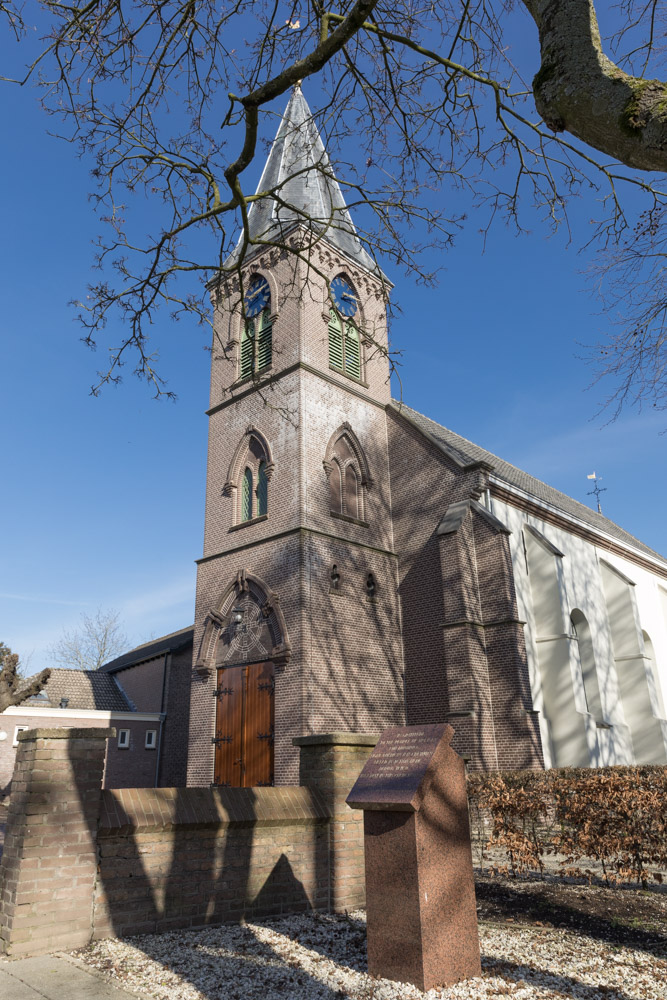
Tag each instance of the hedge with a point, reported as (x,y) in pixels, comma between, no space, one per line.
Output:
(615,816)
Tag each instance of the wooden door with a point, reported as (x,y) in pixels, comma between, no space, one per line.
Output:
(244,726)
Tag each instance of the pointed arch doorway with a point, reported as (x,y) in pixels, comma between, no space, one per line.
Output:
(244,647)
(244,725)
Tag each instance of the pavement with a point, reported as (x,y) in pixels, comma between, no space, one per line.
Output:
(54,977)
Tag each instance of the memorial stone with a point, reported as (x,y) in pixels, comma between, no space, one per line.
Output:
(420,894)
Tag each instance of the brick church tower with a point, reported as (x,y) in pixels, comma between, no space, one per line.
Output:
(297,612)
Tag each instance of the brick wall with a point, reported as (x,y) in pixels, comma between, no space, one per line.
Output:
(142,683)
(464,645)
(134,767)
(188,857)
(175,734)
(48,869)
(82,863)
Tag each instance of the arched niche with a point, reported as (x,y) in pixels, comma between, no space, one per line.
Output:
(648,742)
(582,633)
(260,634)
(566,726)
(346,467)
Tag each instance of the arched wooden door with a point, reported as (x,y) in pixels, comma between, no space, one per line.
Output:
(244,721)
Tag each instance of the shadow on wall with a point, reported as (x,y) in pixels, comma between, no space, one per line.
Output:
(192,857)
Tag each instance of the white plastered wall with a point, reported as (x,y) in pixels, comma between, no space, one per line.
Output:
(580,586)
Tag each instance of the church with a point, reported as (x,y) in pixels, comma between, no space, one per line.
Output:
(364,566)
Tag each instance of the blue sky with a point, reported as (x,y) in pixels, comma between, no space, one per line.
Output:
(102,504)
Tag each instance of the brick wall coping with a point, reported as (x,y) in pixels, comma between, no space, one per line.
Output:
(337,739)
(66,733)
(141,809)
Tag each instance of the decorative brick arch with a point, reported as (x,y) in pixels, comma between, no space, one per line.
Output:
(268,619)
(346,468)
(252,449)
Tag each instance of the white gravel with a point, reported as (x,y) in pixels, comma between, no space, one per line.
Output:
(323,957)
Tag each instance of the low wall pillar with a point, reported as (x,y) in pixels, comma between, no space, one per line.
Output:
(332,763)
(49,863)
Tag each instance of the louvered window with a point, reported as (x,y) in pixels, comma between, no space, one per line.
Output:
(248,349)
(352,354)
(344,348)
(256,344)
(262,490)
(264,347)
(246,497)
(335,341)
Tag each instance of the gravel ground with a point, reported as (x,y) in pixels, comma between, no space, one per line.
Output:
(322,957)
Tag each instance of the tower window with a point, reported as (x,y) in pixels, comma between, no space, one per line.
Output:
(344,346)
(262,490)
(246,496)
(249,476)
(256,344)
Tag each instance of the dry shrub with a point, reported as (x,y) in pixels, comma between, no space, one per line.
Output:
(615,816)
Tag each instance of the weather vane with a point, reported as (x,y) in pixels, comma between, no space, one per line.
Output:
(597,490)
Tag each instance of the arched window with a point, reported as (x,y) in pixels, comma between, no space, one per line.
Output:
(249,477)
(581,631)
(246,496)
(351,496)
(652,672)
(262,490)
(347,470)
(256,338)
(344,346)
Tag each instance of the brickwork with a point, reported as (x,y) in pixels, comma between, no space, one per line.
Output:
(423,483)
(142,684)
(175,734)
(48,865)
(82,863)
(189,857)
(345,669)
(331,765)
(136,766)
(463,643)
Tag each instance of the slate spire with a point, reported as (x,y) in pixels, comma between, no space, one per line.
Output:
(298,170)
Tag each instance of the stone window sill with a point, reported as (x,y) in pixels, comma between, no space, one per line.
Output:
(256,377)
(246,524)
(350,520)
(357,381)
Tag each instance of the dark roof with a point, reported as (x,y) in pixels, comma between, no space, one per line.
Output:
(466,453)
(299,172)
(88,689)
(166,644)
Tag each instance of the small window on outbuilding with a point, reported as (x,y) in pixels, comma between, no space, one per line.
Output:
(123,739)
(17,730)
(151,739)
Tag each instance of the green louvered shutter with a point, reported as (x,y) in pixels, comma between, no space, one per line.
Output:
(262,490)
(352,351)
(248,349)
(264,341)
(246,496)
(335,341)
